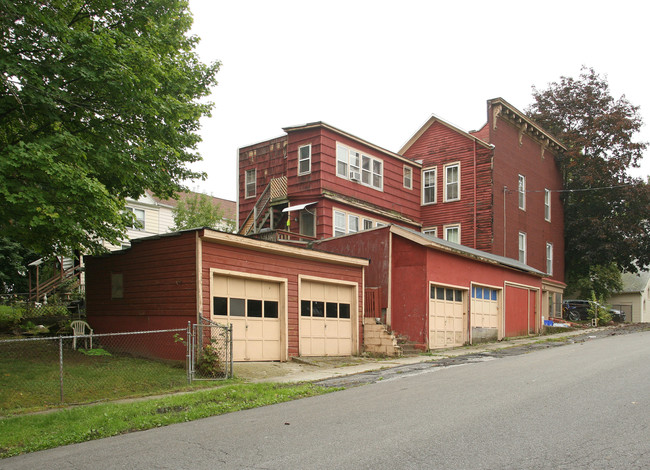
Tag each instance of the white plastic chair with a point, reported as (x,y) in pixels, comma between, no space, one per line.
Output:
(79,328)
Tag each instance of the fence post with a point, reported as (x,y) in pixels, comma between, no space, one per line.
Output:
(61,367)
(188,356)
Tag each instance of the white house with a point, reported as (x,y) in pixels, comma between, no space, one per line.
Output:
(634,298)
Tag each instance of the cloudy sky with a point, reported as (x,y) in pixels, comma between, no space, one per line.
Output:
(379,69)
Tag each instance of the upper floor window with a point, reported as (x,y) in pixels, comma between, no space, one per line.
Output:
(304,159)
(429,186)
(307,223)
(138,214)
(431,231)
(345,222)
(355,166)
(353,223)
(522,247)
(549,259)
(452,182)
(522,192)
(408,177)
(251,183)
(452,233)
(340,227)
(547,205)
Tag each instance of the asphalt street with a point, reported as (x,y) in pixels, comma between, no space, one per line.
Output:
(583,405)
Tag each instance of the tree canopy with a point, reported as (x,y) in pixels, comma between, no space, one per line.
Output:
(607,212)
(197,210)
(99,100)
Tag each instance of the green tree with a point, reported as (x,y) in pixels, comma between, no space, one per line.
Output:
(99,100)
(14,259)
(197,210)
(607,212)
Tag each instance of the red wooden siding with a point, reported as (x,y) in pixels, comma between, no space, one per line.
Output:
(516,323)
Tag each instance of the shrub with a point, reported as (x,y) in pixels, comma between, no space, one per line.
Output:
(209,363)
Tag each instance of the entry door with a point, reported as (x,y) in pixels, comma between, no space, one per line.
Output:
(253,308)
(327,312)
(446,317)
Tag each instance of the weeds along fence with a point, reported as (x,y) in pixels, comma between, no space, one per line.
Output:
(41,372)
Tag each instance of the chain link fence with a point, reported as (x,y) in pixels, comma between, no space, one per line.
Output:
(41,372)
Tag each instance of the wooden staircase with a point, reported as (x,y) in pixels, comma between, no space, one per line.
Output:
(264,214)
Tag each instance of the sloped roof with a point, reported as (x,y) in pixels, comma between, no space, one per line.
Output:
(635,282)
(228,207)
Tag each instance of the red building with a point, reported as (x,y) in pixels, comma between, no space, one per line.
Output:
(496,190)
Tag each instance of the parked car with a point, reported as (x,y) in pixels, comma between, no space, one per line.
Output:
(576,310)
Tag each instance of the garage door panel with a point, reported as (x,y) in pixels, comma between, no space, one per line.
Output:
(447,320)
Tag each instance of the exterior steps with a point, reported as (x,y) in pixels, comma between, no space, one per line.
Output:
(378,340)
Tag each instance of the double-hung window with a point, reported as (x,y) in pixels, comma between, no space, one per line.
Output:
(429,186)
(452,233)
(251,177)
(549,259)
(355,166)
(339,223)
(522,247)
(304,159)
(138,215)
(342,161)
(547,205)
(353,223)
(408,177)
(452,182)
(522,192)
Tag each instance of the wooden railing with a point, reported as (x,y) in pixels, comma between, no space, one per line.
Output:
(372,302)
(275,190)
(37,293)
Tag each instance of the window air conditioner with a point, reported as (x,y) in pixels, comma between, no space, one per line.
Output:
(355,176)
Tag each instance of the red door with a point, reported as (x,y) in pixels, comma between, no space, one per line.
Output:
(516,311)
(532,322)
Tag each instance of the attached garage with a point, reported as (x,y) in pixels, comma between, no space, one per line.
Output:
(521,310)
(485,313)
(255,307)
(326,318)
(447,317)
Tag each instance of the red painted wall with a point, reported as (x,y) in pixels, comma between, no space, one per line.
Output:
(516,311)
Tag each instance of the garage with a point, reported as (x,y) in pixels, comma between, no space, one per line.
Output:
(327,315)
(255,308)
(447,317)
(485,313)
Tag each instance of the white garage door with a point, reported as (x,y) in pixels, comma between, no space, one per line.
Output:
(485,307)
(446,317)
(253,307)
(326,319)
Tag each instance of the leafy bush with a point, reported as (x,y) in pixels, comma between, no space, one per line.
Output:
(10,317)
(596,310)
(209,363)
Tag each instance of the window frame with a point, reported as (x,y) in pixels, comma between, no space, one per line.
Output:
(433,170)
(448,228)
(407,178)
(337,228)
(549,258)
(138,224)
(521,192)
(547,205)
(431,231)
(522,248)
(301,160)
(447,183)
(248,183)
(351,218)
(303,224)
(366,165)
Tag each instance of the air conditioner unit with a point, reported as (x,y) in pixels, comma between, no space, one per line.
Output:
(355,176)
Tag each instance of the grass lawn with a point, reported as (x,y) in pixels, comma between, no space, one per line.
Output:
(29,433)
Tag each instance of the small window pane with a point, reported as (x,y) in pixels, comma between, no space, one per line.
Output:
(331,310)
(458,294)
(449,295)
(220,306)
(479,293)
(270,309)
(440,293)
(344,310)
(494,294)
(305,308)
(254,308)
(237,307)
(432,292)
(318,309)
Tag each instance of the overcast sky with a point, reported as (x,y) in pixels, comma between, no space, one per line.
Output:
(379,69)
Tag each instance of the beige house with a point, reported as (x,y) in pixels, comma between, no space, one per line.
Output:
(634,299)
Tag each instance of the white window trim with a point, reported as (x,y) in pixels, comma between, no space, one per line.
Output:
(446,183)
(431,231)
(361,220)
(549,259)
(522,249)
(521,192)
(547,205)
(447,228)
(343,229)
(254,173)
(407,171)
(300,173)
(347,150)
(435,185)
(138,224)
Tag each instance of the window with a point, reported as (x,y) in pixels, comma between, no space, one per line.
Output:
(429,186)
(547,205)
(452,233)
(307,223)
(138,214)
(353,165)
(252,308)
(367,224)
(304,159)
(339,223)
(317,309)
(353,224)
(117,286)
(452,182)
(522,247)
(484,293)
(549,259)
(522,192)
(447,294)
(431,231)
(251,183)
(408,177)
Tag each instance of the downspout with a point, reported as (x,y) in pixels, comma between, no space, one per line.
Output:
(199,278)
(505,190)
(475,230)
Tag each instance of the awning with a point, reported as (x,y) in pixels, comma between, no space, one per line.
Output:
(299,207)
